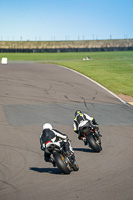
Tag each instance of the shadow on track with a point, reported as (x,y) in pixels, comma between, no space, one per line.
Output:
(83,150)
(46,170)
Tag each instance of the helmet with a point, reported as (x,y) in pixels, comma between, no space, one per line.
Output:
(47,126)
(77,112)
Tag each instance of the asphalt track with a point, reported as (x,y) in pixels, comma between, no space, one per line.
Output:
(32,94)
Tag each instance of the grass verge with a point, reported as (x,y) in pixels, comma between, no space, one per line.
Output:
(113,70)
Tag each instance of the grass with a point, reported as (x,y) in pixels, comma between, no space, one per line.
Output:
(114,70)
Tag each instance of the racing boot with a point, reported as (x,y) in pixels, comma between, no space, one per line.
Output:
(84,140)
(53,162)
(70,155)
(97,133)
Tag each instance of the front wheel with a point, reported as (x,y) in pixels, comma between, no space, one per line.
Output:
(92,143)
(62,165)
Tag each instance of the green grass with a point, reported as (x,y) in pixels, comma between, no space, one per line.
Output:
(114,70)
(47,57)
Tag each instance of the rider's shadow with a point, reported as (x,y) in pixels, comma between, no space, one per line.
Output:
(46,170)
(83,150)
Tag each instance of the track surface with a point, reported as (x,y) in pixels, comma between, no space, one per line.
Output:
(32,94)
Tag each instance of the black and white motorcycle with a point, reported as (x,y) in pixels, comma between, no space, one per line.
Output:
(92,135)
(64,162)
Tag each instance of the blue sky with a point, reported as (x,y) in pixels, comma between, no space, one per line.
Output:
(66,20)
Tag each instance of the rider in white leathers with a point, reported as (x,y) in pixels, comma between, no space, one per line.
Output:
(51,136)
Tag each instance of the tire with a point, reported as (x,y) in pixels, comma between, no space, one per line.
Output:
(93,144)
(59,159)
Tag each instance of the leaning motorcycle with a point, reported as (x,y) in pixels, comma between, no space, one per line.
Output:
(92,135)
(65,163)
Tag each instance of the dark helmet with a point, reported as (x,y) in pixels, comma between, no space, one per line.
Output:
(78,112)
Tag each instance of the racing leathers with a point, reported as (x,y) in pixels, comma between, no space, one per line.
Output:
(54,137)
(79,121)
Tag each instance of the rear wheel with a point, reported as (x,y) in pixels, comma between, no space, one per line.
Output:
(92,143)
(62,165)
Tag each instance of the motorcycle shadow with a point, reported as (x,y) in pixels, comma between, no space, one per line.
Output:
(46,170)
(84,150)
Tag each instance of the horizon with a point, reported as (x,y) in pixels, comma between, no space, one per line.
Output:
(64,40)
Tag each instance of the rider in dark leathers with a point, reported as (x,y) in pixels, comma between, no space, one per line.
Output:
(52,136)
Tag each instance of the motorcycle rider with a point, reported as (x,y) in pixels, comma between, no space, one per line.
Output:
(52,136)
(77,124)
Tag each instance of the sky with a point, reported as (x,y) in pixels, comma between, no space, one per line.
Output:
(57,20)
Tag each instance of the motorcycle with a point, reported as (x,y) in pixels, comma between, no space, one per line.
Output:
(92,135)
(65,163)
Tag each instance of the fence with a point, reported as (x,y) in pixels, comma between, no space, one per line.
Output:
(58,50)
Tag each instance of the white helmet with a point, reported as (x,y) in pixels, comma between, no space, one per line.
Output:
(47,126)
